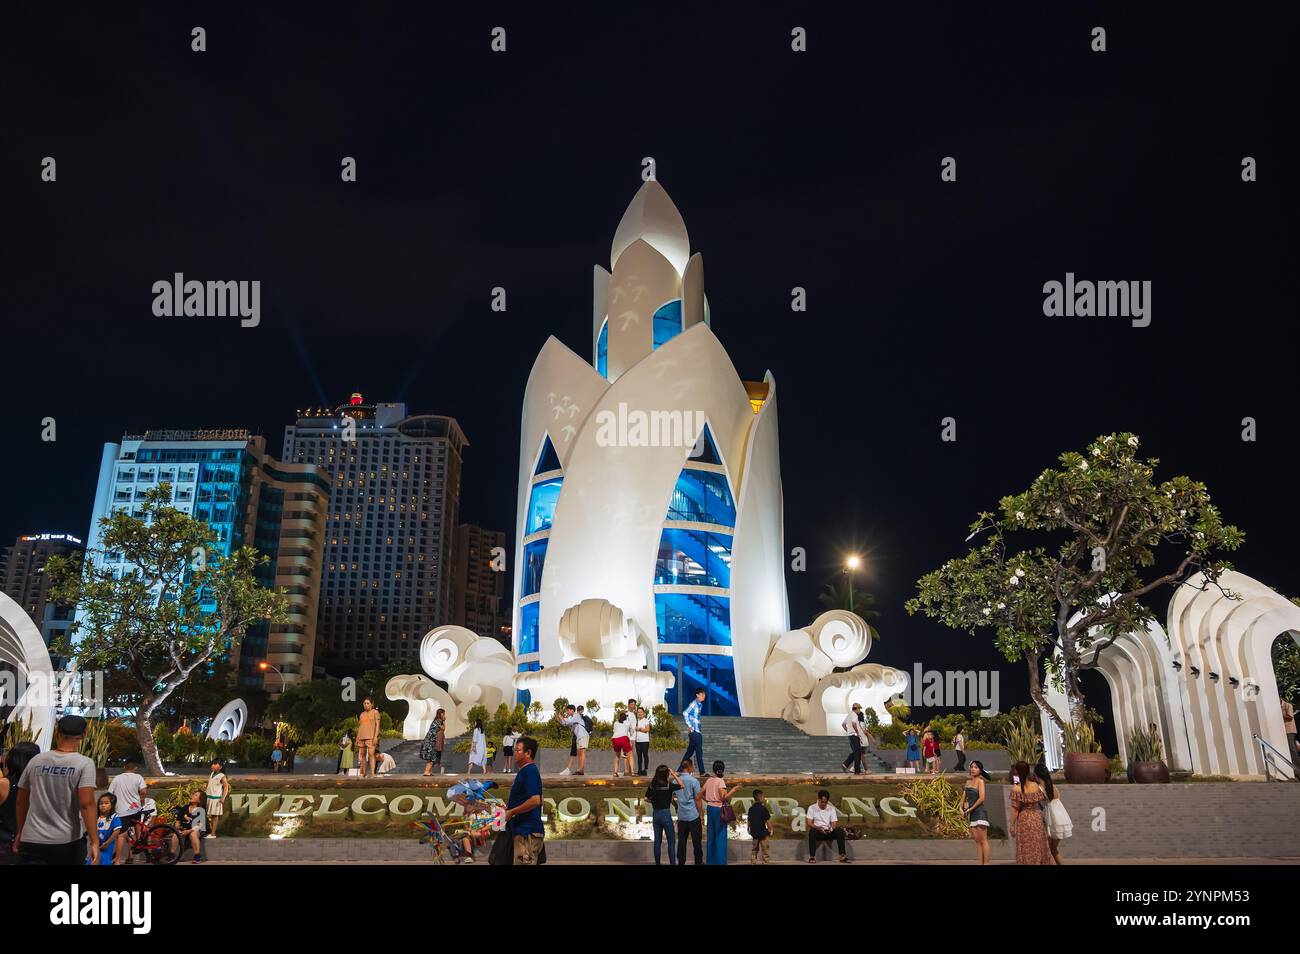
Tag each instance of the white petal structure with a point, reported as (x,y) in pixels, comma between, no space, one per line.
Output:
(649,548)
(24,651)
(478,671)
(228,724)
(1205,681)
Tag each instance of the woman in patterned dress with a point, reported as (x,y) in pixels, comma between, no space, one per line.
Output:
(434,740)
(1028,801)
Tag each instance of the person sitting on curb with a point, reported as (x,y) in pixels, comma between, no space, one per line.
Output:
(824,825)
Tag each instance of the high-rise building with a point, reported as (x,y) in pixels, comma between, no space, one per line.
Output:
(394,507)
(226,479)
(478,583)
(23,579)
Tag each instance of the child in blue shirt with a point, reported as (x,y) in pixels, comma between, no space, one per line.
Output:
(107,825)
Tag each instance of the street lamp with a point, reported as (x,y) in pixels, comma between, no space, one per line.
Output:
(850,567)
(264,666)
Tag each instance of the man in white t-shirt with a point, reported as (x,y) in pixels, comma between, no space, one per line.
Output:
(129,791)
(56,802)
(824,825)
(642,742)
(576,719)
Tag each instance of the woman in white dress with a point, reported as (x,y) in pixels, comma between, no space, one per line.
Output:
(1057,820)
(478,749)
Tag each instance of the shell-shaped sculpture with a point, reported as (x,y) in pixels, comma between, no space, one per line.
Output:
(228,724)
(424,698)
(842,636)
(594,629)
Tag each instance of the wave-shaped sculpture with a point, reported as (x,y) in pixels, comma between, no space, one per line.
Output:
(228,724)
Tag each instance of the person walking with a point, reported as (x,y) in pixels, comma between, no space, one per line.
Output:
(854,726)
(434,741)
(976,811)
(659,794)
(214,798)
(759,821)
(824,825)
(523,814)
(621,742)
(367,737)
(1028,802)
(643,726)
(959,746)
(56,807)
(694,734)
(15,760)
(690,809)
(478,749)
(128,791)
(717,800)
(1056,818)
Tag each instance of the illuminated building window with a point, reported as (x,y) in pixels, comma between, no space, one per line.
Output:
(667,322)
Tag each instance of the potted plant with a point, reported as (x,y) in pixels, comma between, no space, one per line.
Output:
(95,746)
(1146,754)
(1085,763)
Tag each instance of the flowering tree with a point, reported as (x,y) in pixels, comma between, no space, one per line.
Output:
(1094,528)
(180,605)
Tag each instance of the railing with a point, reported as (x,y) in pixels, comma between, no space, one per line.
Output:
(1273,760)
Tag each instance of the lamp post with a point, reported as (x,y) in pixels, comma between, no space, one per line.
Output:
(264,666)
(850,567)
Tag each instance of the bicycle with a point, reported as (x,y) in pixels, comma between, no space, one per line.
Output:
(160,843)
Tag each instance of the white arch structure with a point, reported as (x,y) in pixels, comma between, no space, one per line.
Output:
(228,724)
(24,651)
(1206,681)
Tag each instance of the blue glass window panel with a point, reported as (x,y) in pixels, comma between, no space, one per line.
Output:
(549,460)
(534,561)
(693,558)
(716,675)
(704,497)
(541,505)
(529,616)
(693,618)
(667,322)
(705,450)
(602,351)
(523,696)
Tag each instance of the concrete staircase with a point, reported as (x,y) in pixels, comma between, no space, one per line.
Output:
(757,746)
(407,756)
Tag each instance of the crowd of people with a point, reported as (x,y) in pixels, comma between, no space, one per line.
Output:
(50,814)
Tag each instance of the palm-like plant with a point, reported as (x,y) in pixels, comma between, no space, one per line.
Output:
(1022,741)
(842,594)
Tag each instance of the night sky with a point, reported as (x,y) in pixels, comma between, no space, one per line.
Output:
(818,169)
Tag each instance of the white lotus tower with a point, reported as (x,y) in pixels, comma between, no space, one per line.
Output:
(649,550)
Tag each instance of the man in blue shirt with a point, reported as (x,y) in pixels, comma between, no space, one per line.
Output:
(695,749)
(690,804)
(524,808)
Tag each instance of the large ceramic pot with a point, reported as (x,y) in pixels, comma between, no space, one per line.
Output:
(1086,768)
(1150,773)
